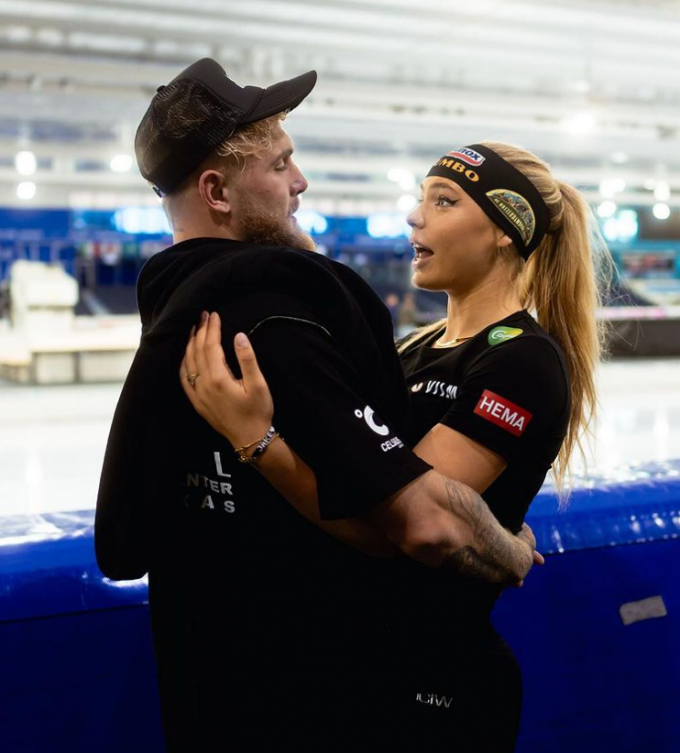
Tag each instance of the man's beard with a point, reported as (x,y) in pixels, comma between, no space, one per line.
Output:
(260,226)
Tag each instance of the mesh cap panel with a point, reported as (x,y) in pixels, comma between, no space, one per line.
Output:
(183,125)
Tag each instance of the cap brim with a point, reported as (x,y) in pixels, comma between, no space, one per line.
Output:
(285,95)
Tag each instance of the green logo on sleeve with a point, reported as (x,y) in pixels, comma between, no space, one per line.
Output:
(501,334)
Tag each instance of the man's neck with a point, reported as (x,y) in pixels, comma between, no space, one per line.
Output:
(181,233)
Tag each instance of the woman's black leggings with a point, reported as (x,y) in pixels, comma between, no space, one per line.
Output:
(459,694)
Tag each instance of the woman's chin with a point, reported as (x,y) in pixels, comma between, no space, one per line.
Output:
(420,281)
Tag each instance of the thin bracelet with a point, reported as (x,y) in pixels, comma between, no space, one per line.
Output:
(246,446)
(262,448)
(262,445)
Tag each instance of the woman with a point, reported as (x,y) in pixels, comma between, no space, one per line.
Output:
(497,398)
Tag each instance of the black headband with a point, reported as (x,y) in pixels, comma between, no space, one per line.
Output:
(505,194)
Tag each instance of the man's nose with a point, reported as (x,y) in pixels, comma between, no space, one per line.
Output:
(300,184)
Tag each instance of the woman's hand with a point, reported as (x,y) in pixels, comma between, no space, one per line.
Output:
(239,409)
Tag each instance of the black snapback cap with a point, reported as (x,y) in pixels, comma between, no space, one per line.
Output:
(198,110)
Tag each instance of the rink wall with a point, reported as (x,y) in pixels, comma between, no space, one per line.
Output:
(595,630)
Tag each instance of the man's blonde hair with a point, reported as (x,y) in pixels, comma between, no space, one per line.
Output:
(250,141)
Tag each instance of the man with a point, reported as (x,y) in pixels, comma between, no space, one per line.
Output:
(264,624)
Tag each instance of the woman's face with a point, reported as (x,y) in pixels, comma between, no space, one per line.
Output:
(454,241)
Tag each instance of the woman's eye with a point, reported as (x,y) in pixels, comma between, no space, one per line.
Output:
(444,201)
(281,166)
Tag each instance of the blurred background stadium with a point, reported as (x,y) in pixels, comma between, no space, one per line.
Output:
(593,87)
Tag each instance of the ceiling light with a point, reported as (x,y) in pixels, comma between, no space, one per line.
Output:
(662,191)
(580,123)
(661,211)
(606,209)
(26,191)
(121,163)
(25,163)
(611,186)
(406,202)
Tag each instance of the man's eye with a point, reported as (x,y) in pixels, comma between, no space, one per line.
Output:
(281,166)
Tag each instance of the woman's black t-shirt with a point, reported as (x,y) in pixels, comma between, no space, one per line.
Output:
(508,389)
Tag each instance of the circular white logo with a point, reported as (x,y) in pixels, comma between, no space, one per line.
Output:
(367,414)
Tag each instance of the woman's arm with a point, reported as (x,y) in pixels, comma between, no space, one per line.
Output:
(454,455)
(242,410)
(455,526)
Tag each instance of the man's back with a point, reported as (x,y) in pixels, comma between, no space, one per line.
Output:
(256,612)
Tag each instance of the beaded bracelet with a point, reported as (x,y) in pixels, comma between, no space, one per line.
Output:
(268,438)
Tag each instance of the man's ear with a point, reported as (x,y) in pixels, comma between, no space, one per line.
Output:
(213,189)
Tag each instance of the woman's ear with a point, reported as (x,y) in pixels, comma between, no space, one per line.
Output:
(503,240)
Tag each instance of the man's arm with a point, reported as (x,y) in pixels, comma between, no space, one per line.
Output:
(445,524)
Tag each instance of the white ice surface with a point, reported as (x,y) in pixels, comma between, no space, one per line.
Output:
(52,439)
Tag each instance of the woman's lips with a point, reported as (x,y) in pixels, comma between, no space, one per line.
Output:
(422,256)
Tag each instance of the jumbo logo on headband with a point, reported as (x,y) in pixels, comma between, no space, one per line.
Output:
(502,191)
(458,167)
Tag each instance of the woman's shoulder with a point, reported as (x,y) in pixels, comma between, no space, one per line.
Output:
(521,336)
(518,348)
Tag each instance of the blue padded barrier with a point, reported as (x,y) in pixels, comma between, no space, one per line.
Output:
(75,649)
(77,664)
(593,684)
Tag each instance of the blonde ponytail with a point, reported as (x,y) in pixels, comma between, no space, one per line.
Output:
(562,283)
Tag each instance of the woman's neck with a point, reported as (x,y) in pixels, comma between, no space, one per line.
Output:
(470,312)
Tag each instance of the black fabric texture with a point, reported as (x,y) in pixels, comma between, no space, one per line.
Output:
(256,613)
(528,370)
(457,680)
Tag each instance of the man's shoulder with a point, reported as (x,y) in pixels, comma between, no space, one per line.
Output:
(285,268)
(268,256)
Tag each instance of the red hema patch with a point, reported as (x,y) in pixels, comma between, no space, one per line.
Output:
(503,413)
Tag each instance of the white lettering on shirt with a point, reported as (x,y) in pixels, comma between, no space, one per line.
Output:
(431,699)
(391,444)
(198,480)
(441,389)
(218,466)
(502,412)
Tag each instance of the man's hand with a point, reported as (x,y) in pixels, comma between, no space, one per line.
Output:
(527,536)
(239,409)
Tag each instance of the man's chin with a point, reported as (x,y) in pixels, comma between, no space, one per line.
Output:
(275,234)
(259,226)
(303,241)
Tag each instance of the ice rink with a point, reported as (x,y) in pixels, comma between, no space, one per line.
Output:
(52,439)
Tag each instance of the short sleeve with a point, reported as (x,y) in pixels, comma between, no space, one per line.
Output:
(513,397)
(324,412)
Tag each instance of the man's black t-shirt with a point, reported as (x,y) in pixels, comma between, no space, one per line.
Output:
(508,389)
(261,621)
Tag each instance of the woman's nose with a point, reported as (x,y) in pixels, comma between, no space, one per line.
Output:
(415,217)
